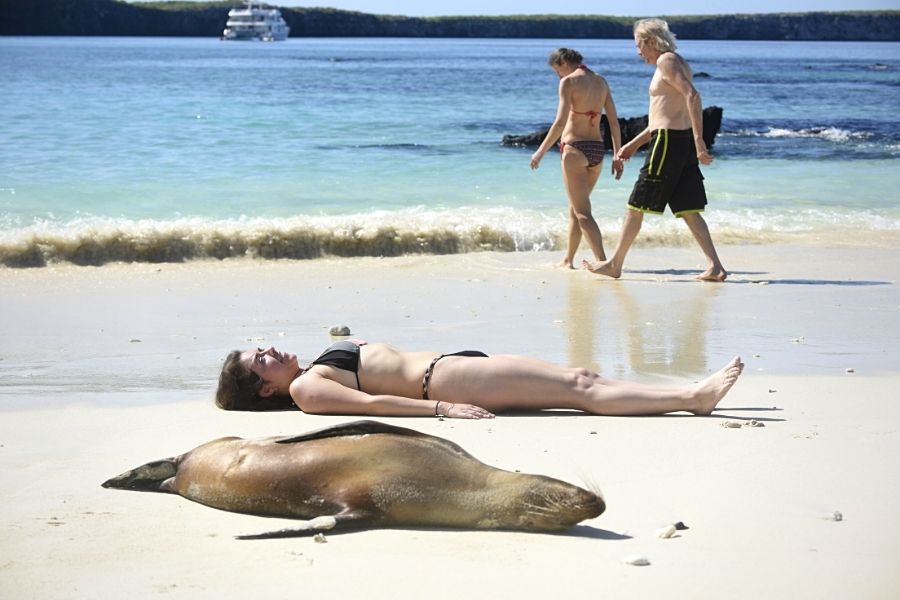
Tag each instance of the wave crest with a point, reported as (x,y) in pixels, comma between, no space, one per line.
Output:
(831,134)
(100,241)
(96,241)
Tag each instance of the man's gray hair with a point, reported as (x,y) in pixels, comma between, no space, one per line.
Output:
(656,30)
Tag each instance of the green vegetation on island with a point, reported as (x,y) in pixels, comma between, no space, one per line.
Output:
(206,19)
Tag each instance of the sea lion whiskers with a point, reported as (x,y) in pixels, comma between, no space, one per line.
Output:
(589,483)
(556,508)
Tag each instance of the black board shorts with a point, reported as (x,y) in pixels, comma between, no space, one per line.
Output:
(670,175)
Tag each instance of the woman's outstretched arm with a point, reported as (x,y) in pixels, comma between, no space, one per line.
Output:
(315,394)
(615,133)
(562,114)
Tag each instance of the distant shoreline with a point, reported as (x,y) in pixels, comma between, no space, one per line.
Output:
(182,19)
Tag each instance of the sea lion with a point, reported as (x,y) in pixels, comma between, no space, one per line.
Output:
(363,475)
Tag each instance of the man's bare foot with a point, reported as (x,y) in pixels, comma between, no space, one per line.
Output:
(713,274)
(603,268)
(711,390)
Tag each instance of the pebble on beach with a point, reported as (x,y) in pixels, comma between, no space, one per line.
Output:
(319,538)
(637,560)
(339,330)
(739,424)
(666,532)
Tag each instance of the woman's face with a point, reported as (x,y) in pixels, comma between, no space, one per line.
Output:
(272,366)
(562,69)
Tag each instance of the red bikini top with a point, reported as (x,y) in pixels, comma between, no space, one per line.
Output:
(593,114)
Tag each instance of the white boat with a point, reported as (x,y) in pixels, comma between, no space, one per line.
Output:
(255,23)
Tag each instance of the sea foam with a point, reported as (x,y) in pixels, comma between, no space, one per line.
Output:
(419,230)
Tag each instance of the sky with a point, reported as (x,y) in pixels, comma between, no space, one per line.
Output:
(426,8)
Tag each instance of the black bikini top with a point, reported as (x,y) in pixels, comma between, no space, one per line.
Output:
(341,355)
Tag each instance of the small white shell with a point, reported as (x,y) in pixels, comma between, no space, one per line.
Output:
(637,560)
(319,538)
(836,516)
(754,423)
(730,424)
(666,532)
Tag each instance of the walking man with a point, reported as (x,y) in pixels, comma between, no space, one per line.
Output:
(671,173)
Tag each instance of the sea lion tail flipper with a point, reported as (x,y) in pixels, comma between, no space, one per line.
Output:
(340,522)
(152,477)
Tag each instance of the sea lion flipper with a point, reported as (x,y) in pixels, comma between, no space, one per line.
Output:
(341,522)
(352,428)
(156,476)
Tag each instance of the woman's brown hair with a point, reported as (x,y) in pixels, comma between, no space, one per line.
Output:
(565,55)
(239,388)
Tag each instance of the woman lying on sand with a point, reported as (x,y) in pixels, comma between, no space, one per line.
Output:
(356,378)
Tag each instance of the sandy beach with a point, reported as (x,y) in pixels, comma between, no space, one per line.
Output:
(103,369)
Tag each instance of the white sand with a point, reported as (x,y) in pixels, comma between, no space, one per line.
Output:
(81,401)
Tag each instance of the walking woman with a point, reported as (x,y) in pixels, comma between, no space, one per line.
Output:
(583,97)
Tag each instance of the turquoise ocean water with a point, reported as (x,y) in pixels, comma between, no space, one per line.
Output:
(150,149)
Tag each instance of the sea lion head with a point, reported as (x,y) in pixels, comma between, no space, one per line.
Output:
(552,505)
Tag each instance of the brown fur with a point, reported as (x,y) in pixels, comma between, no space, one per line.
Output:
(365,475)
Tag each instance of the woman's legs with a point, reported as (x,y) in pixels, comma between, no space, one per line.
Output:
(574,240)
(502,383)
(579,180)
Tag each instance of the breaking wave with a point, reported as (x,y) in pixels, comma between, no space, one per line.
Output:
(831,134)
(97,241)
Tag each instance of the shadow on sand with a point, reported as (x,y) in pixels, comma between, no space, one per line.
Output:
(580,531)
(757,279)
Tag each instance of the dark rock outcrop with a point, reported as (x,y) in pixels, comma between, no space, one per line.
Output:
(712,122)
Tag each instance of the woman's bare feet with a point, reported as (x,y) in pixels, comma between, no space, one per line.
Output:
(711,390)
(566,264)
(603,268)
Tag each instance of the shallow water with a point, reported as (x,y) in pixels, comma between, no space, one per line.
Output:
(155,149)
